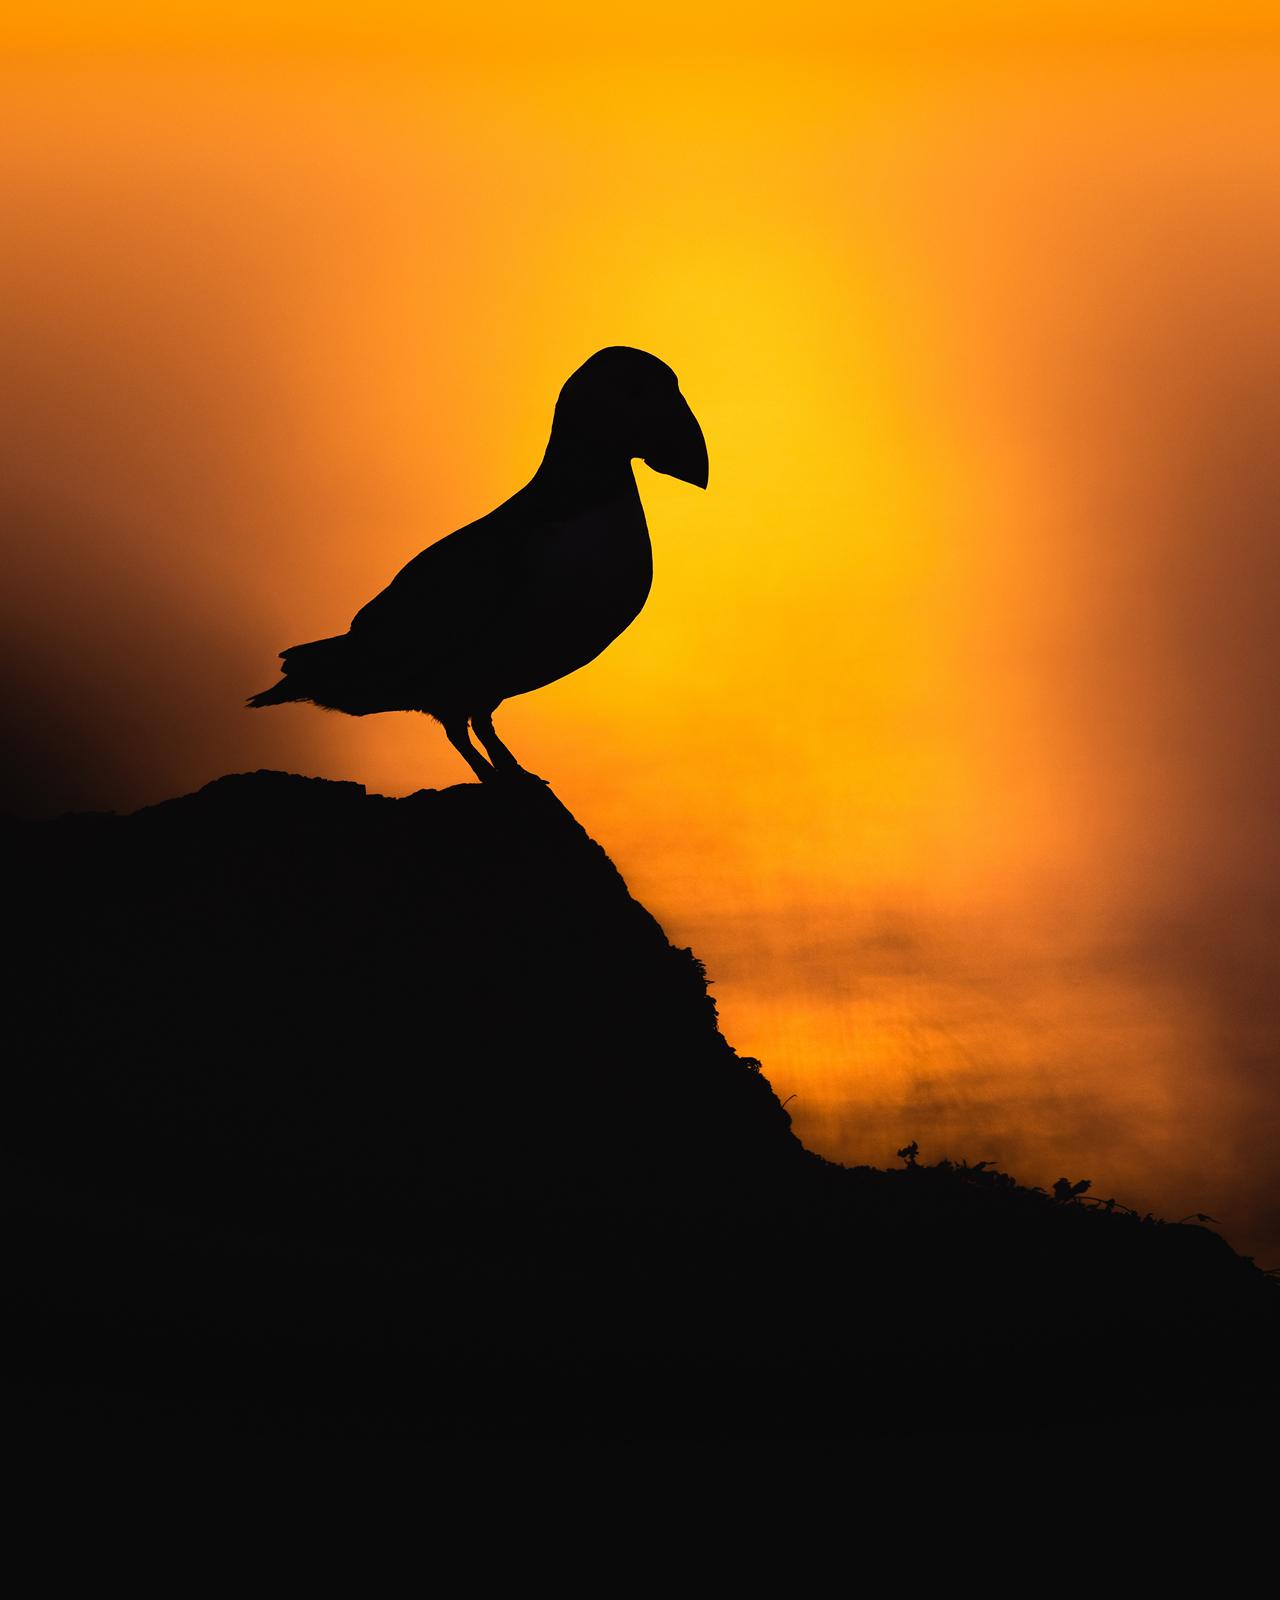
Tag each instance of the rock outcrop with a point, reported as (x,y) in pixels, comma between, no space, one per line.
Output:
(331,1112)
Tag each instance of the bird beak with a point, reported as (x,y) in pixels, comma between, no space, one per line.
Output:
(680,450)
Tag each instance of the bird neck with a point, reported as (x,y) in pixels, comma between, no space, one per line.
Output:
(581,471)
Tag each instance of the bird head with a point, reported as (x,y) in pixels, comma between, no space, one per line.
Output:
(625,400)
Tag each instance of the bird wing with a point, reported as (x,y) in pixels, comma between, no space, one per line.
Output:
(462,586)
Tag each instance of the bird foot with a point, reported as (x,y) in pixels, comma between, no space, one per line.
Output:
(518,774)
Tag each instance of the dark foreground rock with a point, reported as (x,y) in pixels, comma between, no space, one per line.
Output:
(331,1113)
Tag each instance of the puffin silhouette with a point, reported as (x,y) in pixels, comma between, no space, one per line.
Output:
(529,593)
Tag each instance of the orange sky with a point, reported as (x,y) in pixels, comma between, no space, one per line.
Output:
(945,737)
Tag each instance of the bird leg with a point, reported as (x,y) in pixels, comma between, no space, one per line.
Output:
(456,731)
(503,760)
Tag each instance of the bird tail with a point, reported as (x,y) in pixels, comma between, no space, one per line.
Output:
(305,668)
(275,696)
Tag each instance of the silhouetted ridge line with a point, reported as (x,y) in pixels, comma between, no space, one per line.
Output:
(322,1094)
(405,973)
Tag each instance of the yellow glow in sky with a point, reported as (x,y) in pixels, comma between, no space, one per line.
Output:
(940,736)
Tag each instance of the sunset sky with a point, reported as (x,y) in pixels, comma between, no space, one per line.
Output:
(947,738)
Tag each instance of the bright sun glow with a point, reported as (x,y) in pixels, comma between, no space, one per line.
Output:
(944,706)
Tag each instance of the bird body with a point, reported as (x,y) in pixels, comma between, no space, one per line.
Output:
(529,593)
